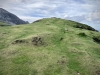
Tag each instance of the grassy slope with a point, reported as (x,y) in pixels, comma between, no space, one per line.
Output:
(3,24)
(63,51)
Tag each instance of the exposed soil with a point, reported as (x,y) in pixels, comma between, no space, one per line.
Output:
(98,72)
(18,41)
(37,41)
(61,62)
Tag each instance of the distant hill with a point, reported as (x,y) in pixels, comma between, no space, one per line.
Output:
(49,46)
(10,18)
(69,23)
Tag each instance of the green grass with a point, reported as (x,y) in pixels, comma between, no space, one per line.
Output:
(3,24)
(65,49)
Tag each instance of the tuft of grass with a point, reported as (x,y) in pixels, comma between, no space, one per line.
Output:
(20,59)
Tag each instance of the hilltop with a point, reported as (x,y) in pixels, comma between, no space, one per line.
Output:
(49,46)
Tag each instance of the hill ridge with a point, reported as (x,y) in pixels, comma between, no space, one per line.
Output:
(68,22)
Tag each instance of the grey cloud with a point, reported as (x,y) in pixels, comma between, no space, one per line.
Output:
(83,19)
(94,3)
(95,15)
(79,18)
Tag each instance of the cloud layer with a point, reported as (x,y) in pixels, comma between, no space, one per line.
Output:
(84,11)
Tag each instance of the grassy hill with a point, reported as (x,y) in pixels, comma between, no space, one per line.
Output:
(50,46)
(4,24)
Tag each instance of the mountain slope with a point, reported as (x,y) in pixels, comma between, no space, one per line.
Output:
(49,46)
(10,18)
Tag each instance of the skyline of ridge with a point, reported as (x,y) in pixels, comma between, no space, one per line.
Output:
(83,11)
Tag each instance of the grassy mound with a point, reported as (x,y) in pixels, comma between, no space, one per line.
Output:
(50,46)
(3,24)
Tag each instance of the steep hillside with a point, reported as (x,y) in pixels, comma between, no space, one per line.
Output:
(10,18)
(50,46)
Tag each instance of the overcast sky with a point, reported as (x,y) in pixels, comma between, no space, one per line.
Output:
(84,11)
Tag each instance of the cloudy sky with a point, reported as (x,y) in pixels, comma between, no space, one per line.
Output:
(83,11)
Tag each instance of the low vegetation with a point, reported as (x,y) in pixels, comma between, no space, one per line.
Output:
(50,46)
(82,34)
(96,39)
(3,24)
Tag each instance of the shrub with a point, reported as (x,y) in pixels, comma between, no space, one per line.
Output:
(84,26)
(82,34)
(96,39)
